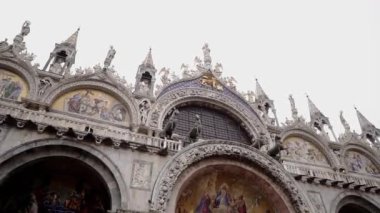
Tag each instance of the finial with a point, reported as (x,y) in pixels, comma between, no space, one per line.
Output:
(72,40)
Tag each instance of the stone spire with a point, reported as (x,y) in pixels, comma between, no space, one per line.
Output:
(63,56)
(260,92)
(145,78)
(368,129)
(148,61)
(264,104)
(72,40)
(318,119)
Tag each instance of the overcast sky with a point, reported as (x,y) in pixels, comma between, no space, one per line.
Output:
(329,49)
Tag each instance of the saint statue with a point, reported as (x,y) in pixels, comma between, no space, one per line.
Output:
(110,55)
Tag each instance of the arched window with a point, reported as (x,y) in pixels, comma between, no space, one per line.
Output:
(216,124)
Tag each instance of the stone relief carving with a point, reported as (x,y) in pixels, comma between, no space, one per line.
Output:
(316,199)
(357,162)
(141,174)
(207,149)
(299,149)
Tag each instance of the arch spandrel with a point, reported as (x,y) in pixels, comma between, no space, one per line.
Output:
(166,186)
(117,105)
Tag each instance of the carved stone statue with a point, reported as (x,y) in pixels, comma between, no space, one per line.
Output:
(43,86)
(218,70)
(185,71)
(165,77)
(196,130)
(250,96)
(170,126)
(344,123)
(144,110)
(293,108)
(18,41)
(206,56)
(275,150)
(110,55)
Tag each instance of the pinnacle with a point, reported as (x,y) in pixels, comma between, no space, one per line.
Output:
(149,59)
(72,40)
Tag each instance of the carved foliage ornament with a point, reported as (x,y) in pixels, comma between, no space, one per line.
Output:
(208,149)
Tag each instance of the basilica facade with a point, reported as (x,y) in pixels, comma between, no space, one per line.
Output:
(87,140)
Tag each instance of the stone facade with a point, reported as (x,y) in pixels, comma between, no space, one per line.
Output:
(97,143)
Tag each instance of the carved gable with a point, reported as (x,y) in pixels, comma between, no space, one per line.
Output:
(12,86)
(357,162)
(299,149)
(92,103)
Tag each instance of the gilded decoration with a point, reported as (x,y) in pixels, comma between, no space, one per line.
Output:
(221,191)
(357,162)
(301,150)
(12,86)
(211,81)
(92,103)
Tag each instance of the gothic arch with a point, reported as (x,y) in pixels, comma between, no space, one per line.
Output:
(315,140)
(169,179)
(250,120)
(72,85)
(87,154)
(25,71)
(350,197)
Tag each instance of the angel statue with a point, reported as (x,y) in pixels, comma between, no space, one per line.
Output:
(110,55)
(206,56)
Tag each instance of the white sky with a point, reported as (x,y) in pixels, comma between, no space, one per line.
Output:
(329,49)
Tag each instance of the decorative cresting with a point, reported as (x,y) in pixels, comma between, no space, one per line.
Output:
(24,71)
(124,98)
(359,158)
(192,90)
(307,136)
(196,152)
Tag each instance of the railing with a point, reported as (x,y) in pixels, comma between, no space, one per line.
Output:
(81,127)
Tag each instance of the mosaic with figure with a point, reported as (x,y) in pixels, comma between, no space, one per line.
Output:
(93,103)
(220,191)
(357,162)
(301,150)
(12,86)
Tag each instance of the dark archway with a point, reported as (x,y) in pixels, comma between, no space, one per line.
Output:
(54,184)
(356,204)
(353,208)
